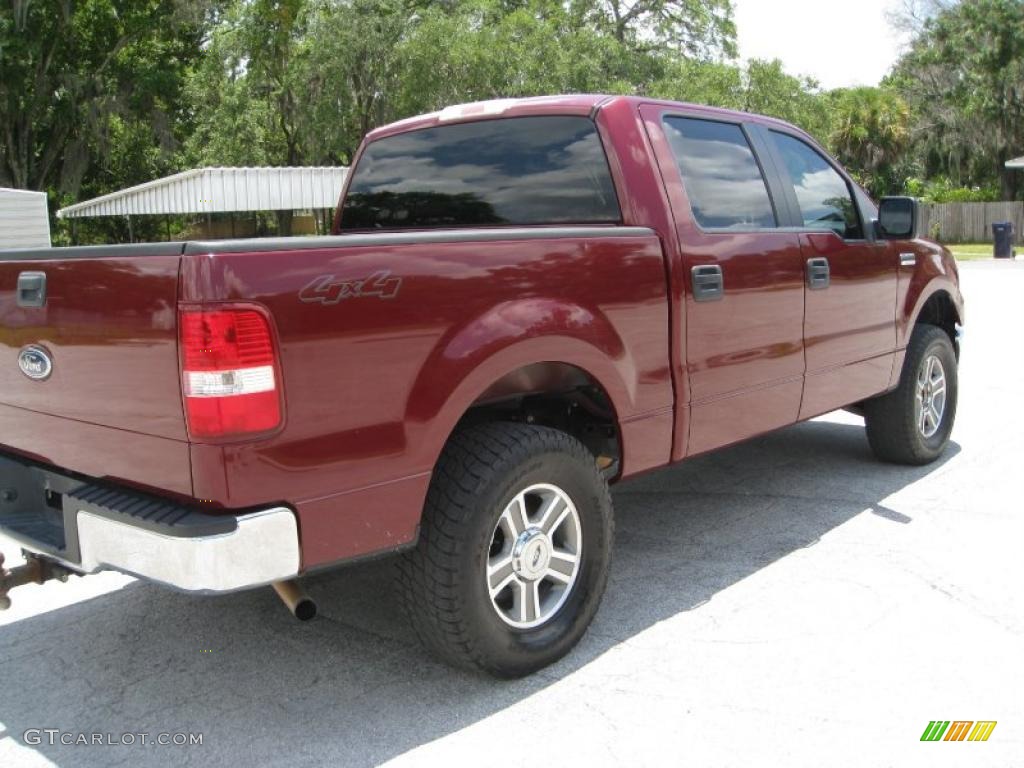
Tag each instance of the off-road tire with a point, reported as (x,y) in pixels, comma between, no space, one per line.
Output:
(442,583)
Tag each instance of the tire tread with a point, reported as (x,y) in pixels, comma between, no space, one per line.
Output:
(892,433)
(427,578)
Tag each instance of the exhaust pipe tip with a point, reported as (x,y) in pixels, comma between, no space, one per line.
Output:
(301,605)
(305,610)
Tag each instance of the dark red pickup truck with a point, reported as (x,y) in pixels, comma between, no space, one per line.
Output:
(523,302)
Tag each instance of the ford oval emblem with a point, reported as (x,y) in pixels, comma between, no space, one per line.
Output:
(35,363)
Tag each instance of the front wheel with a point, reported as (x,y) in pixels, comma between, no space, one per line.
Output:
(514,549)
(912,424)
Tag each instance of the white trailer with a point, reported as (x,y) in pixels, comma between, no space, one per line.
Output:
(24,219)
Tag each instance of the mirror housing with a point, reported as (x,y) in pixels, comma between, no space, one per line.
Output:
(898,218)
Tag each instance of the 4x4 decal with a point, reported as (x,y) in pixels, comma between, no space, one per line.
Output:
(328,290)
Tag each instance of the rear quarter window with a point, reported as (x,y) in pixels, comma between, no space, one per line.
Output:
(506,171)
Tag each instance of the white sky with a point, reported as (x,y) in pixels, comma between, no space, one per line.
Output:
(837,42)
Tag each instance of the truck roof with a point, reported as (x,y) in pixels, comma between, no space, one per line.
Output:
(565,104)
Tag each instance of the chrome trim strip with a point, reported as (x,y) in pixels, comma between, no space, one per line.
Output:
(908,259)
(262,549)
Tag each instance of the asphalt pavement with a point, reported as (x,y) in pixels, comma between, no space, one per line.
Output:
(788,601)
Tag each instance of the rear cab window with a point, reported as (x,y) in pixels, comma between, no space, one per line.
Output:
(505,171)
(722,177)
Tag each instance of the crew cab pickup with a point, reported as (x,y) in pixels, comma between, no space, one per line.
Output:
(522,302)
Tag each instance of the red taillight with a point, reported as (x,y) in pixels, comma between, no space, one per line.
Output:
(229,372)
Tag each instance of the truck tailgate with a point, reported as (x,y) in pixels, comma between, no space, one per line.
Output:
(108,328)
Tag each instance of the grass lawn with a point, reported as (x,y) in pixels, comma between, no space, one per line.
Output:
(971,251)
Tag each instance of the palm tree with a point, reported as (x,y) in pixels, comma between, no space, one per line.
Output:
(870,132)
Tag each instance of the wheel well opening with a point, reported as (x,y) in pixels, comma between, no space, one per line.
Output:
(560,396)
(940,311)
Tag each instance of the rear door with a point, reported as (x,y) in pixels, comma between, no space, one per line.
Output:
(850,277)
(744,276)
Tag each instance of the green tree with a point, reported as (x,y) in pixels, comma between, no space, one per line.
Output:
(483,50)
(288,81)
(245,94)
(697,29)
(761,86)
(719,84)
(769,90)
(78,75)
(963,79)
(354,70)
(869,134)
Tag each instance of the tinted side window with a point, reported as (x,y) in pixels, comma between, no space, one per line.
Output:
(522,170)
(721,175)
(823,195)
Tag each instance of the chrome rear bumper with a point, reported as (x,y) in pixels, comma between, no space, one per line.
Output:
(263,548)
(90,526)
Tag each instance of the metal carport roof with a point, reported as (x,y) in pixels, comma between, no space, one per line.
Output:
(213,190)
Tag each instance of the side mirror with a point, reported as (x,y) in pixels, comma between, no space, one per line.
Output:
(897,218)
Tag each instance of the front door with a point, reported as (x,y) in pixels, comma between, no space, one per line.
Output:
(744,303)
(850,276)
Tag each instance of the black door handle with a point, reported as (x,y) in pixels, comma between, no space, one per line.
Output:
(707,282)
(32,289)
(817,274)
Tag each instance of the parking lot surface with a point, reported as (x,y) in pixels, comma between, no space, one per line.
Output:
(788,601)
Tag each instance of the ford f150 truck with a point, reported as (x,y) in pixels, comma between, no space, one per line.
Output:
(522,302)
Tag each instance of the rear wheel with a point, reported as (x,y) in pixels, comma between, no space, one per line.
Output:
(912,424)
(514,549)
